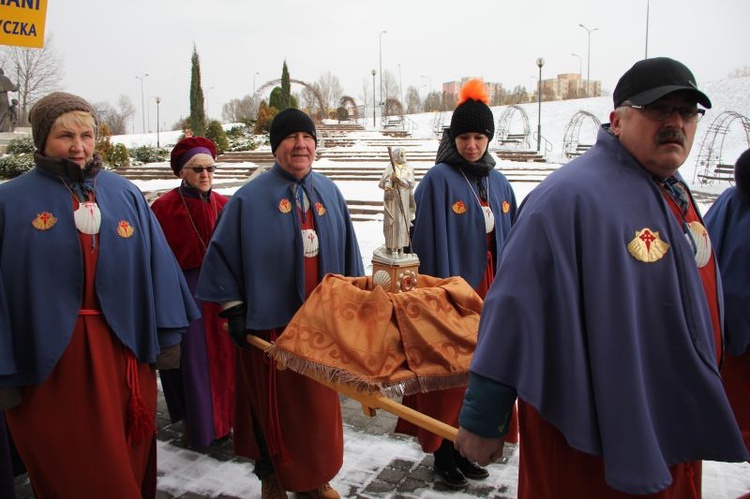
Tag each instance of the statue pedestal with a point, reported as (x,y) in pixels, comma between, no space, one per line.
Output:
(394,272)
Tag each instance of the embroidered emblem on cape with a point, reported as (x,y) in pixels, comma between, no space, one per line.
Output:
(124,229)
(285,206)
(459,208)
(44,221)
(701,243)
(506,207)
(310,243)
(647,246)
(320,209)
(88,218)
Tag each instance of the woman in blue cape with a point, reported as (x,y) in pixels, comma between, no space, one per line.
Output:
(91,299)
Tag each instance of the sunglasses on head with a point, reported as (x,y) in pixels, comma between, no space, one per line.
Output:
(199,169)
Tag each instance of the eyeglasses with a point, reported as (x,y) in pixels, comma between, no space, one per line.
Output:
(660,112)
(199,169)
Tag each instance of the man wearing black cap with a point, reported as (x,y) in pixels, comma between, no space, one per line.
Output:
(276,239)
(604,318)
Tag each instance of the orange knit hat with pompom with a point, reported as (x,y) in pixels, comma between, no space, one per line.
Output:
(472,113)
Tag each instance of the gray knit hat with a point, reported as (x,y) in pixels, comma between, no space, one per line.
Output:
(47,109)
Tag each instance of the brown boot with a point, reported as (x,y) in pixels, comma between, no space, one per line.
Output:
(271,488)
(325,491)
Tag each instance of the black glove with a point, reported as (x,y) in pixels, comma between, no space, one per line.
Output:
(235,317)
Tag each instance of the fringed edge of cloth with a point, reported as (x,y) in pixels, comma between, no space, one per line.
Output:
(393,390)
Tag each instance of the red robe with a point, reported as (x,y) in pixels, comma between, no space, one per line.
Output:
(445,405)
(285,417)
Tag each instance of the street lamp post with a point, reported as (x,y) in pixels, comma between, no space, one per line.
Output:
(645,56)
(540,63)
(380,54)
(158,101)
(143,102)
(256,74)
(374,105)
(588,60)
(579,72)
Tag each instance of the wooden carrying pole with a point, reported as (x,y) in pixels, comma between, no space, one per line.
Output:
(377,401)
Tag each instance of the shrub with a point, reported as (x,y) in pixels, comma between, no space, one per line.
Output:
(149,154)
(13,165)
(265,117)
(21,145)
(119,157)
(242,138)
(216,133)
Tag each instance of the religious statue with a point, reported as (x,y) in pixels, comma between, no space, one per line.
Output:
(398,200)
(5,86)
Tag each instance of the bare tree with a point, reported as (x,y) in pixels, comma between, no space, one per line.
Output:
(308,99)
(413,102)
(329,87)
(116,118)
(390,86)
(38,70)
(238,110)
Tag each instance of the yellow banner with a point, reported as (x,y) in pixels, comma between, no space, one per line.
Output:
(22,22)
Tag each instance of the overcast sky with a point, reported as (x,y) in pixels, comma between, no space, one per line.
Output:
(106,45)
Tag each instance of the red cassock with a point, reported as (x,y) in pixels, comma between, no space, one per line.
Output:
(89,389)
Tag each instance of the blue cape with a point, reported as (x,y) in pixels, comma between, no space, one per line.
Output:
(617,353)
(141,290)
(452,244)
(728,224)
(256,252)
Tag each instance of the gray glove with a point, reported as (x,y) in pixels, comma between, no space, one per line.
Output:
(10,397)
(169,358)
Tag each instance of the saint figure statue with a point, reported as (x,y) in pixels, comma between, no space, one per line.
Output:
(397,183)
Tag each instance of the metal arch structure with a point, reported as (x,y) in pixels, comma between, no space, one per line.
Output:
(503,133)
(351,106)
(273,83)
(710,154)
(572,145)
(437,124)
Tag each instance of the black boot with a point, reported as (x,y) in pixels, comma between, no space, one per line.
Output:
(468,468)
(446,468)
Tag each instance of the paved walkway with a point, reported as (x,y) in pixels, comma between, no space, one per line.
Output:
(405,472)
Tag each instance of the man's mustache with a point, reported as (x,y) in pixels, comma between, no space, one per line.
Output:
(670,136)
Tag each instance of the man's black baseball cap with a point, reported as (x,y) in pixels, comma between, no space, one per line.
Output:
(651,79)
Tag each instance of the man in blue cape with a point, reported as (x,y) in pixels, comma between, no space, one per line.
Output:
(605,317)
(275,240)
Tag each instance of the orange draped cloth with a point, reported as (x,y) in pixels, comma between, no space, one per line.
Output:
(393,343)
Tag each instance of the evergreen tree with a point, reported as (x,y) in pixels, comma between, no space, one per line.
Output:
(276,100)
(286,89)
(197,118)
(216,133)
